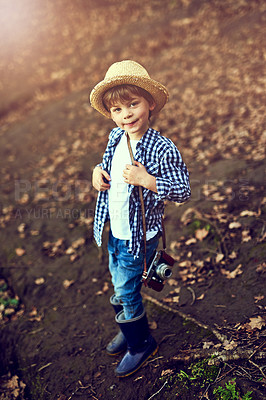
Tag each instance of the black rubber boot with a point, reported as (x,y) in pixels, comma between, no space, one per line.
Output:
(141,345)
(118,344)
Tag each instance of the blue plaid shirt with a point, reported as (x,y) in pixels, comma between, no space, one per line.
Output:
(161,159)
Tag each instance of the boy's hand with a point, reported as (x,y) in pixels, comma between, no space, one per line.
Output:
(138,176)
(100,178)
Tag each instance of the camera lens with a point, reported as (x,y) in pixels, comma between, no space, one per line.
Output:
(163,271)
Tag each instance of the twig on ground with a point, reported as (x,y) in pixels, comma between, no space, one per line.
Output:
(44,366)
(193,295)
(158,390)
(256,365)
(224,375)
(167,336)
(255,351)
(219,336)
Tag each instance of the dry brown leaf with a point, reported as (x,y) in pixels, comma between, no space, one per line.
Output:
(233,255)
(67,283)
(190,241)
(70,250)
(234,225)
(247,213)
(74,257)
(258,298)
(246,236)
(172,282)
(201,297)
(219,257)
(20,252)
(207,345)
(261,267)
(153,325)
(105,287)
(21,228)
(185,263)
(201,234)
(39,281)
(167,372)
(79,242)
(175,299)
(232,274)
(230,345)
(257,322)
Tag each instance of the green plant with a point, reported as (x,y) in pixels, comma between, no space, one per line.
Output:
(199,374)
(229,392)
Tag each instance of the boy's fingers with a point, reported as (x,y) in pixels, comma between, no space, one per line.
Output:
(106,175)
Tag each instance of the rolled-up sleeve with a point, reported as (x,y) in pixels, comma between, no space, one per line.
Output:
(173,180)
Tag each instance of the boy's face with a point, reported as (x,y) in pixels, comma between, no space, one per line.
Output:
(132,115)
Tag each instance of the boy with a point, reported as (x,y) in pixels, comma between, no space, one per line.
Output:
(130,97)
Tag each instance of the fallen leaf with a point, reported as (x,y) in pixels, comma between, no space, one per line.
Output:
(105,287)
(79,242)
(201,234)
(185,263)
(21,228)
(20,252)
(153,325)
(233,255)
(34,232)
(207,345)
(70,250)
(190,241)
(261,267)
(68,283)
(172,282)
(258,298)
(167,372)
(257,322)
(234,225)
(175,299)
(230,345)
(201,297)
(73,257)
(33,312)
(219,257)
(232,274)
(246,236)
(39,281)
(247,213)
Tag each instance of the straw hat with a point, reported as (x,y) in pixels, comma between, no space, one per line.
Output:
(132,73)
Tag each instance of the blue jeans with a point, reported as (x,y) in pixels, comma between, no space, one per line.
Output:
(126,272)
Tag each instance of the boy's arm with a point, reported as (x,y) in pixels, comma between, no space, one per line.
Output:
(173,182)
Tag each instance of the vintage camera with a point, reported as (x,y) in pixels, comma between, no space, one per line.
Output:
(158,270)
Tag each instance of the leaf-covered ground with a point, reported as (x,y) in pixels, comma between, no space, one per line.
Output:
(54,283)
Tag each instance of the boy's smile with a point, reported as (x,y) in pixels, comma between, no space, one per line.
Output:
(132,115)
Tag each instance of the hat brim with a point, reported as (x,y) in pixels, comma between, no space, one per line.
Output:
(158,91)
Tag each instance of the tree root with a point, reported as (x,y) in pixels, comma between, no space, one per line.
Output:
(217,356)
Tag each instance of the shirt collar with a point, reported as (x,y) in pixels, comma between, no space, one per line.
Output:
(148,139)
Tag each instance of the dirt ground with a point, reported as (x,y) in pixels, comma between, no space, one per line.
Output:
(54,282)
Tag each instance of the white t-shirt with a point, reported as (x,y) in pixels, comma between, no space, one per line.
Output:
(118,192)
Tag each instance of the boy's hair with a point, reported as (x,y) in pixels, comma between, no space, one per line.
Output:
(124,93)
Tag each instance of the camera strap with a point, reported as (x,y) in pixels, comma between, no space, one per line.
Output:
(143,214)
